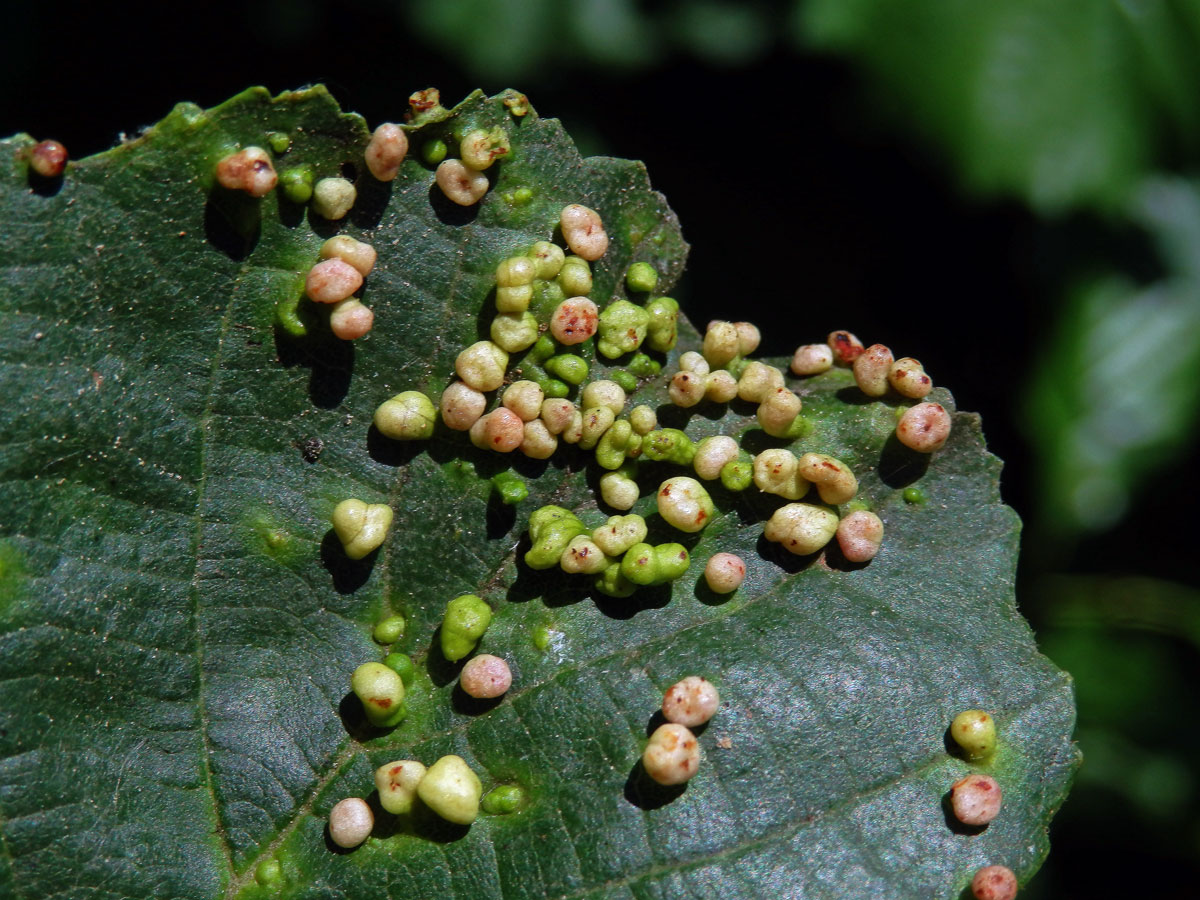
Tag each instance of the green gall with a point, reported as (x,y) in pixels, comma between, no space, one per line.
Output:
(801,528)
(643,366)
(466,619)
(616,442)
(451,790)
(641,277)
(913,495)
(389,630)
(332,198)
(975,733)
(570,368)
(408,416)
(522,196)
(503,800)
(619,533)
(737,474)
(547,295)
(575,277)
(381,692)
(542,349)
(402,665)
(510,488)
(662,330)
(268,873)
(514,299)
(297,184)
(596,421)
(684,503)
(480,148)
(513,332)
(614,584)
(287,314)
(279,141)
(547,260)
(669,445)
(622,329)
(515,102)
(551,387)
(434,151)
(541,637)
(645,565)
(397,784)
(624,380)
(361,527)
(514,271)
(551,529)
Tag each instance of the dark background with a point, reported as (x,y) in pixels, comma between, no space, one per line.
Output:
(835,182)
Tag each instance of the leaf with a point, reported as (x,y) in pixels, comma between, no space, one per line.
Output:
(178,624)
(1055,102)
(1113,397)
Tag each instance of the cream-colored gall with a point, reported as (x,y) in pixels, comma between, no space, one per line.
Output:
(691,701)
(584,231)
(673,754)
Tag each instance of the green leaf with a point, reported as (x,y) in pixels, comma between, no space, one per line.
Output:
(1114,396)
(1053,100)
(178,625)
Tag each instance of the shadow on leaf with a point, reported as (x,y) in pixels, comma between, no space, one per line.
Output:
(330,360)
(388,452)
(644,598)
(348,574)
(785,559)
(645,793)
(448,212)
(472,706)
(232,222)
(899,466)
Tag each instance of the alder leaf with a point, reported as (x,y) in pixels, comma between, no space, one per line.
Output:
(178,624)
